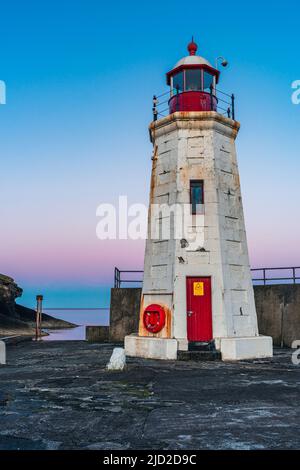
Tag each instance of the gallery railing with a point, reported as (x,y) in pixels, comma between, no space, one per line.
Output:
(219,101)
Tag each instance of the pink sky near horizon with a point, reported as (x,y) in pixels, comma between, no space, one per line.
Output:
(89,261)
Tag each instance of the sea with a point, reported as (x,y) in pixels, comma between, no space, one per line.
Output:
(81,317)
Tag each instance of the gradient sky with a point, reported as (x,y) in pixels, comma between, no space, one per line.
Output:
(80,76)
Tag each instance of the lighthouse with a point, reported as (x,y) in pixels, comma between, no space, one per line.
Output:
(197,290)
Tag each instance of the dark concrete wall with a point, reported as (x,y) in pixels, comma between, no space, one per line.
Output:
(124,312)
(95,334)
(278,312)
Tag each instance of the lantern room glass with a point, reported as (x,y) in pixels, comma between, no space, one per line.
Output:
(193,80)
(207,81)
(178,82)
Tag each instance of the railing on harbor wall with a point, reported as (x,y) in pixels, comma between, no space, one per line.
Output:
(119,279)
(286,275)
(290,275)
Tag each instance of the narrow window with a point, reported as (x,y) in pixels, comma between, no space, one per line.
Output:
(197,196)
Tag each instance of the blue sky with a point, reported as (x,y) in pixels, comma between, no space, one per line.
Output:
(80,77)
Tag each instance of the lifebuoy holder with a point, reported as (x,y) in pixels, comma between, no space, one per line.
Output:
(154,318)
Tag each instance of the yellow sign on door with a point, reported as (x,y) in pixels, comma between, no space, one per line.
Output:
(198,288)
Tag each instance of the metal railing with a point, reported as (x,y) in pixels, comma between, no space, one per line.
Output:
(119,280)
(221,102)
(227,106)
(266,279)
(264,276)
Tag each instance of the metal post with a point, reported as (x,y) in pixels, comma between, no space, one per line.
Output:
(232,106)
(294,275)
(39,309)
(264,274)
(154,109)
(228,112)
(177,98)
(282,324)
(211,98)
(117,277)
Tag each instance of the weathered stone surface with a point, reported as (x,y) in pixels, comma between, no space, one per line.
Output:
(268,307)
(154,348)
(187,147)
(59,395)
(236,349)
(117,360)
(124,303)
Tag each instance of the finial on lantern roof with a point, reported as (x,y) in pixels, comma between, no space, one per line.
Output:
(192,47)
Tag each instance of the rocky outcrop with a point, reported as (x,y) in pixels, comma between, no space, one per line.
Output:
(16,319)
(9,292)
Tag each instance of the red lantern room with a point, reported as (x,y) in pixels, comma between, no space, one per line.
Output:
(193,82)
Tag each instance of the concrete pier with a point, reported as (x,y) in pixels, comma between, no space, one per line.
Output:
(58,395)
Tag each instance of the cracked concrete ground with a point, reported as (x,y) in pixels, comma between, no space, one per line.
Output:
(58,395)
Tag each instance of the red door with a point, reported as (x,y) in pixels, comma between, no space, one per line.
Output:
(199,311)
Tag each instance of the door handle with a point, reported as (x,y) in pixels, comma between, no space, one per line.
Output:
(190,313)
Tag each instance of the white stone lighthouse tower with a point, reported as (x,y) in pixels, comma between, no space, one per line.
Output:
(197,289)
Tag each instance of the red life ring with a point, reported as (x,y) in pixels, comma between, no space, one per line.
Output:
(154,318)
